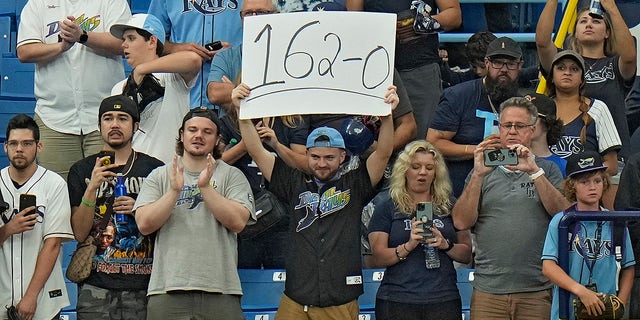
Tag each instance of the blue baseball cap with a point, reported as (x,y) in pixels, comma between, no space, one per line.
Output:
(142,21)
(325,137)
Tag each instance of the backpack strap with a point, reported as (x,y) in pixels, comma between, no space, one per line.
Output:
(618,239)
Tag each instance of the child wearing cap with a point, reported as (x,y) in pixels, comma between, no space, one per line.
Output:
(592,259)
(159,84)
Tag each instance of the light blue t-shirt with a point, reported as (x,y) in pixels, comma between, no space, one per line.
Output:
(582,251)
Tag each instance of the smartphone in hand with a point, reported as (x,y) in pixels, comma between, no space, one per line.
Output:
(213,46)
(26,201)
(424,214)
(111,157)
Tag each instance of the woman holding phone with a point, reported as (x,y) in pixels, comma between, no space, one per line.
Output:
(411,290)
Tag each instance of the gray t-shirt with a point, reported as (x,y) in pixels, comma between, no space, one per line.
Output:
(510,231)
(193,251)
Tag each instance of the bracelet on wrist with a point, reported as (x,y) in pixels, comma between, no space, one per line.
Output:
(536,174)
(398,255)
(87,203)
(449,246)
(405,248)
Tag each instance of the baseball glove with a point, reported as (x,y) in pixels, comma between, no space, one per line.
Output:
(614,308)
(147,91)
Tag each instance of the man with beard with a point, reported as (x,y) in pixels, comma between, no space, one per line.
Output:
(31,276)
(117,286)
(197,205)
(468,112)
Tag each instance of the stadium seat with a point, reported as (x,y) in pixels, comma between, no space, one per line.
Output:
(19,5)
(262,289)
(465,276)
(17,78)
(67,251)
(68,315)
(371,282)
(12,107)
(72,292)
(473,17)
(5,35)
(139,6)
(260,315)
(7,7)
(367,315)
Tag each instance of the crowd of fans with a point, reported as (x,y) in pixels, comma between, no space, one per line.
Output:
(354,187)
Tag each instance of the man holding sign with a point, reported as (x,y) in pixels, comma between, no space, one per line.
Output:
(325,202)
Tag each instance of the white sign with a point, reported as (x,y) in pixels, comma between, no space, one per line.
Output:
(317,62)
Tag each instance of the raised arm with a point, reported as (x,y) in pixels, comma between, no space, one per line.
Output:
(624,44)
(258,153)
(546,48)
(449,14)
(185,63)
(377,161)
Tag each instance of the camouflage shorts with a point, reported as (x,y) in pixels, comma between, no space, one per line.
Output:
(102,304)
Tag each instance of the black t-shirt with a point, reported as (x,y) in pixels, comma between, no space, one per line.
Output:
(124,257)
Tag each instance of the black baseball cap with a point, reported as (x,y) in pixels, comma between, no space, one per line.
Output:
(584,162)
(119,103)
(504,46)
(202,112)
(545,105)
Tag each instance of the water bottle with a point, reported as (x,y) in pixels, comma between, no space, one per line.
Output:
(595,9)
(120,191)
(431,257)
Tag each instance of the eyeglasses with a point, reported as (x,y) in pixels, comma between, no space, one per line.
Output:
(254,13)
(13,144)
(518,126)
(498,64)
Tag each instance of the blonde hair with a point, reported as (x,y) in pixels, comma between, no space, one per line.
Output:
(440,187)
(607,46)
(569,188)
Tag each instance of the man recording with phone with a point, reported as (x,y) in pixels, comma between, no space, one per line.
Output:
(509,208)
(35,220)
(117,285)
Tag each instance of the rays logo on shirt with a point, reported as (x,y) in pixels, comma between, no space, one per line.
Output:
(566,146)
(587,246)
(208,7)
(191,194)
(318,206)
(85,23)
(601,75)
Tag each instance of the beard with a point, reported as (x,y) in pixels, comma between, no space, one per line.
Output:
(499,90)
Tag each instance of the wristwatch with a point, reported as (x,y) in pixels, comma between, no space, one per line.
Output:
(449,245)
(83,37)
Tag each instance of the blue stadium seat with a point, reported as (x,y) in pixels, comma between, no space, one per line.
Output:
(19,5)
(139,6)
(5,35)
(16,78)
(262,289)
(371,281)
(367,315)
(68,315)
(260,315)
(67,251)
(72,292)
(7,7)
(466,314)
(465,276)
(9,108)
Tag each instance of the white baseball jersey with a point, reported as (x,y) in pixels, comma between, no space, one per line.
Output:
(20,251)
(69,88)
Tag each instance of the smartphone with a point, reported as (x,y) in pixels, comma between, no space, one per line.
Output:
(111,157)
(26,201)
(213,46)
(424,214)
(500,157)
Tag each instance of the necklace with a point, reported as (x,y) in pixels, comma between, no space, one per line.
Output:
(493,108)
